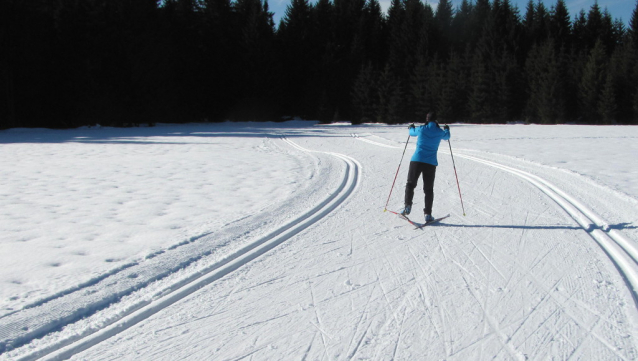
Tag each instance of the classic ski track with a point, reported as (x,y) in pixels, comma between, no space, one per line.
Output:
(622,252)
(68,348)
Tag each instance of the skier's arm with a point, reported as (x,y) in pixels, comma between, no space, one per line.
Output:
(446,133)
(414,131)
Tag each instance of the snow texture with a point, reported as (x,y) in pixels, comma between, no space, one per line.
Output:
(269,241)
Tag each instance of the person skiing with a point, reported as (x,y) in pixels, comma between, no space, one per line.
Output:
(424,162)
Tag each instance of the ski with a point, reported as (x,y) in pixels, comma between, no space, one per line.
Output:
(420,226)
(402,216)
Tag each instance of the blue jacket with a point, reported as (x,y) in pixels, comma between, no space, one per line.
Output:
(427,144)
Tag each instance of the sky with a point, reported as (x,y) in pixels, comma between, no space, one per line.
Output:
(617,8)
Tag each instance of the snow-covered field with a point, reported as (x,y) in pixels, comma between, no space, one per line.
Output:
(268,241)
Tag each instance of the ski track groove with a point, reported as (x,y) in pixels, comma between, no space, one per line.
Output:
(426,303)
(363,313)
(318,324)
(619,249)
(68,347)
(495,327)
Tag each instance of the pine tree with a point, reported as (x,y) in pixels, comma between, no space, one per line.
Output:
(217,73)
(390,98)
(365,96)
(635,101)
(451,106)
(579,33)
(8,23)
(443,17)
(546,102)
(460,30)
(592,83)
(607,106)
(324,61)
(560,25)
(423,84)
(633,27)
(372,32)
(594,28)
(481,96)
(255,61)
(296,34)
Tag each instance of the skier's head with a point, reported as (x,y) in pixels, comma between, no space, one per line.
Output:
(432,117)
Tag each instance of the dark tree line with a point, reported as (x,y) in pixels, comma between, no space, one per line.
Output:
(67,63)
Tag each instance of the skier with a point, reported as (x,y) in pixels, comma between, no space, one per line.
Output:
(424,162)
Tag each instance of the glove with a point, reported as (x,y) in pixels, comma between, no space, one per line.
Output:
(446,127)
(411,126)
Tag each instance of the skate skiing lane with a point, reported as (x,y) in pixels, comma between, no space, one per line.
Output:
(622,251)
(350,182)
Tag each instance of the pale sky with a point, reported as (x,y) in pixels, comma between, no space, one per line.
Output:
(617,8)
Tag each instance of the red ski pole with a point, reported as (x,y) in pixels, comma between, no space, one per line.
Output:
(457,177)
(395,176)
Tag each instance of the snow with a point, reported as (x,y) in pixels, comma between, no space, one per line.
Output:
(269,241)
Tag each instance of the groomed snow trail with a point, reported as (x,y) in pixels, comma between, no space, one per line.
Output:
(541,267)
(518,278)
(24,326)
(622,251)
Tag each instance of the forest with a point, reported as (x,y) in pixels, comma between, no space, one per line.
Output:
(71,63)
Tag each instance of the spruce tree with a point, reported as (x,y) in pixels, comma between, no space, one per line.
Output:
(453,91)
(607,106)
(365,96)
(633,27)
(217,71)
(296,53)
(460,30)
(423,88)
(592,83)
(481,95)
(579,33)
(443,17)
(560,25)
(594,29)
(255,61)
(390,95)
(546,101)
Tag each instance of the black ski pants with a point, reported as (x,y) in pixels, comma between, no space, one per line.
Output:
(428,171)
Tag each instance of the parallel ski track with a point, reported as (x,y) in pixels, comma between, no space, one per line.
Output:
(622,251)
(218,270)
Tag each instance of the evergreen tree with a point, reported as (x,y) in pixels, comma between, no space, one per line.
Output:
(297,56)
(594,29)
(633,27)
(607,106)
(218,72)
(256,60)
(423,84)
(579,33)
(373,34)
(453,91)
(365,96)
(481,95)
(460,30)
(390,98)
(443,17)
(560,25)
(592,83)
(9,20)
(546,101)
(635,100)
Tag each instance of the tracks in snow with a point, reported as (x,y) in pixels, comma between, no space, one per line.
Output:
(622,251)
(68,347)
